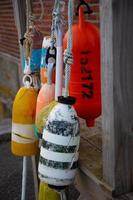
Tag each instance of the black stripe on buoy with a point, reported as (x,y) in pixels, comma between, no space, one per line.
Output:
(57,164)
(58,148)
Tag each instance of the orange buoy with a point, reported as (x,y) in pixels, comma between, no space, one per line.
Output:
(24,142)
(85,83)
(44,76)
(45,96)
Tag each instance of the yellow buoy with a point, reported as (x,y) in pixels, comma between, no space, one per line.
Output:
(24,141)
(43,115)
(46,193)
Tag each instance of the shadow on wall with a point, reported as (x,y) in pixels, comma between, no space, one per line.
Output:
(5,102)
(9,83)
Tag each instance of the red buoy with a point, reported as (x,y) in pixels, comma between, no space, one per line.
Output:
(85,81)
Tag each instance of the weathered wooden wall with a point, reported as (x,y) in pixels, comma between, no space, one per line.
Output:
(117,93)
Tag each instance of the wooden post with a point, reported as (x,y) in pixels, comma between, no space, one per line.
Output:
(117,93)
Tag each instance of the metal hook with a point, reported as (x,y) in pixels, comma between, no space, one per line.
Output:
(27,80)
(83,3)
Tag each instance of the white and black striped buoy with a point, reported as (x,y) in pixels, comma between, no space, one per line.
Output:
(60,144)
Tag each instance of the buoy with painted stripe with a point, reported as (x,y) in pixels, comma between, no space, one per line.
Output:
(60,143)
(24,142)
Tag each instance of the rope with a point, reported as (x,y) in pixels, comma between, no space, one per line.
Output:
(30,17)
(68,59)
(62,195)
(42,10)
(53,25)
(28,10)
(28,43)
(58,19)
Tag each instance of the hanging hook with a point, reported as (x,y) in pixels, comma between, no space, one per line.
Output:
(83,3)
(27,80)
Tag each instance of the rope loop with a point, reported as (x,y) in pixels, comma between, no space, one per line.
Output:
(27,80)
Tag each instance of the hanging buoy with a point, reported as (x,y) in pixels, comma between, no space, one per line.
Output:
(46,193)
(85,83)
(42,117)
(60,143)
(24,141)
(45,96)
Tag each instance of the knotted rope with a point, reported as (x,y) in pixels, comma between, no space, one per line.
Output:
(28,43)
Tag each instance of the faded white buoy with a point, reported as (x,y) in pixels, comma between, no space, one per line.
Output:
(60,144)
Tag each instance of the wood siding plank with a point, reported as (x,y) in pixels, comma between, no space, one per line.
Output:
(117,93)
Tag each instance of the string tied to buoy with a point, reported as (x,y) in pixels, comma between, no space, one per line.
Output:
(32,41)
(62,195)
(53,40)
(28,41)
(68,58)
(68,61)
(58,20)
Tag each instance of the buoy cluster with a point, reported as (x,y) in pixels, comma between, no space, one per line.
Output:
(38,116)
